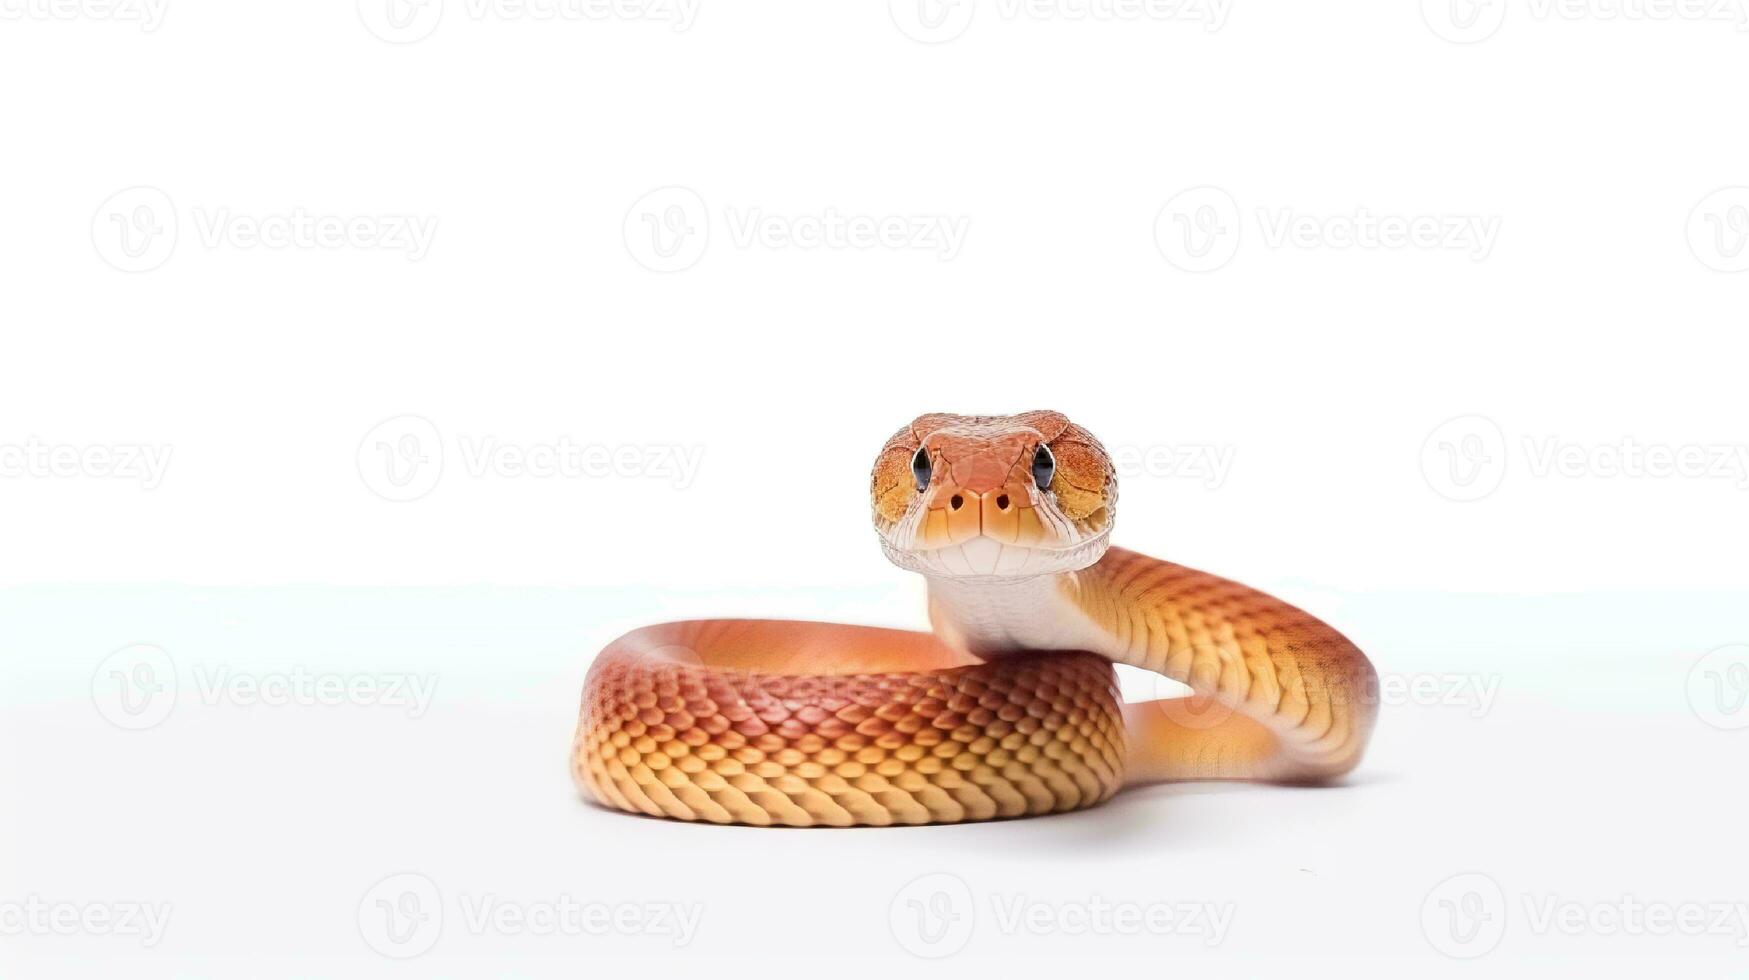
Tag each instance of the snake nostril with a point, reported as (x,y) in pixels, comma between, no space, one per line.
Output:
(1002,502)
(957,502)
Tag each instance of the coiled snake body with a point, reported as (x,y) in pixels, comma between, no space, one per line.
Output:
(1010,707)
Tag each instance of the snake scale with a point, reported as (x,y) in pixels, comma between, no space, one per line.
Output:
(1010,707)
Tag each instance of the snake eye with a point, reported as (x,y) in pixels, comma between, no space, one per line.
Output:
(1044,466)
(921,469)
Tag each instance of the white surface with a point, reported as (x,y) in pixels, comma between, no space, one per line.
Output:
(1561,757)
(1444,450)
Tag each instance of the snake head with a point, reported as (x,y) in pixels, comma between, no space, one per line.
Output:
(1002,496)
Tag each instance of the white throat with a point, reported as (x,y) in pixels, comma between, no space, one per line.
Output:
(990,615)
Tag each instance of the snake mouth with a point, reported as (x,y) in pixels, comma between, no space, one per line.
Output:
(984,556)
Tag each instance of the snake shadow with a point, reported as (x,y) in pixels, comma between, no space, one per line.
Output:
(1140,816)
(1132,820)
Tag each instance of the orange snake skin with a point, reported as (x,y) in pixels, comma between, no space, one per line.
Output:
(1010,707)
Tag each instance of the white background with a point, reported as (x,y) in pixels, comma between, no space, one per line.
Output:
(1601,318)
